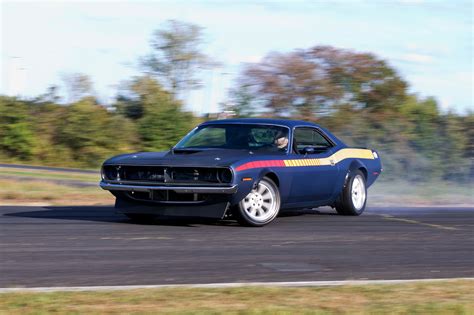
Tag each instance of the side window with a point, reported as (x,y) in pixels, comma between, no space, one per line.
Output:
(309,137)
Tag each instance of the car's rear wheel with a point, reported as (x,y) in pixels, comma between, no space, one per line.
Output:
(354,195)
(260,206)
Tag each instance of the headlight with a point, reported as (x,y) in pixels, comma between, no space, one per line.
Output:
(224,175)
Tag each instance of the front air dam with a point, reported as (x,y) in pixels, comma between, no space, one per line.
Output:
(215,209)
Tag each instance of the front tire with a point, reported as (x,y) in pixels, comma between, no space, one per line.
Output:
(354,195)
(260,206)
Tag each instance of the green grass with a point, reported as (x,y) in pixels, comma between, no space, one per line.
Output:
(443,297)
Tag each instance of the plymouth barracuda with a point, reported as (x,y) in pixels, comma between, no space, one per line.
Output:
(245,169)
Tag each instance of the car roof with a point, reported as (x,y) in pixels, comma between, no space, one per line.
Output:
(271,121)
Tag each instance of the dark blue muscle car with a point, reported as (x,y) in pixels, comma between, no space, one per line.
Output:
(247,169)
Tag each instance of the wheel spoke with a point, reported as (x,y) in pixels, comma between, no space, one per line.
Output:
(355,186)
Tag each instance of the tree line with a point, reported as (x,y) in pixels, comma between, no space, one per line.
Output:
(358,96)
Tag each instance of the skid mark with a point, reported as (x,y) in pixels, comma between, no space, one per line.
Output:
(436,226)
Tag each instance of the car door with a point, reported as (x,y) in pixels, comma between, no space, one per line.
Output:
(314,174)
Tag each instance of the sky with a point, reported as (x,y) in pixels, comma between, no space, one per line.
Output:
(430,43)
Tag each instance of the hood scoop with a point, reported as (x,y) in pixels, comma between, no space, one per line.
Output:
(185,151)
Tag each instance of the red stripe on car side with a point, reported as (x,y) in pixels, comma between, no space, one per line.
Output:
(258,164)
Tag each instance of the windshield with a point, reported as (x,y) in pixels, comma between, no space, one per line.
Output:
(233,136)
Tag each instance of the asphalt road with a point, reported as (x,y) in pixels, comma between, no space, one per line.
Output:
(86,246)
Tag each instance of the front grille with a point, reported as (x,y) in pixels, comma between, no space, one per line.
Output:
(134,173)
(167,196)
(163,174)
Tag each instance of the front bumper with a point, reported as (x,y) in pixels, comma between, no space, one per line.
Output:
(214,210)
(171,200)
(178,189)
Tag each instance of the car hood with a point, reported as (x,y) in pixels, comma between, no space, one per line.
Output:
(194,158)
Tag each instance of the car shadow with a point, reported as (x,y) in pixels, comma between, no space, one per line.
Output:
(108,214)
(314,211)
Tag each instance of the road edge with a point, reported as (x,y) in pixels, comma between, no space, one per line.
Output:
(227,285)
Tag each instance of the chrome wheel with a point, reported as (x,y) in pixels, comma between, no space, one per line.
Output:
(261,204)
(358,192)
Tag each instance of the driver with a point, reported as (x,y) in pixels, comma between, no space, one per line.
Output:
(281,141)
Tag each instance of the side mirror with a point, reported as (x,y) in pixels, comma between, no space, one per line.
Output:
(308,150)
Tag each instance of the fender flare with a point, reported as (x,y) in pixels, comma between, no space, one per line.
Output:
(263,172)
(354,166)
(257,175)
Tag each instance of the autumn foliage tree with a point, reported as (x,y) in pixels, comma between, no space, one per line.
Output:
(308,83)
(361,98)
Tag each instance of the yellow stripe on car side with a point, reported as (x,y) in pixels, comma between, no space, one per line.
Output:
(333,159)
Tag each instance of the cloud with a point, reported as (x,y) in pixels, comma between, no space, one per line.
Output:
(417,58)
(452,89)
(411,1)
(237,59)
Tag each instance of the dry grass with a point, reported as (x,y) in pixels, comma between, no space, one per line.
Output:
(47,174)
(28,186)
(449,297)
(13,191)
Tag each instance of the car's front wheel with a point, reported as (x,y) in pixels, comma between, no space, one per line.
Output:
(354,195)
(260,206)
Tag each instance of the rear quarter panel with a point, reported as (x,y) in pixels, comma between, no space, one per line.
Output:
(352,159)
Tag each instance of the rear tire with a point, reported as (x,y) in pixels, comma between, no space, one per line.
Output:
(354,195)
(260,206)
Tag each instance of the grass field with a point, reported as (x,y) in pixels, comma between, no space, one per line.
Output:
(20,186)
(22,191)
(48,175)
(443,297)
(44,192)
